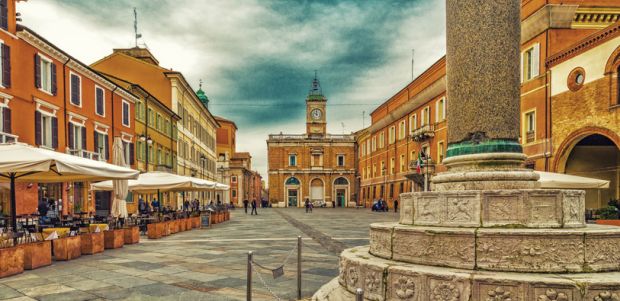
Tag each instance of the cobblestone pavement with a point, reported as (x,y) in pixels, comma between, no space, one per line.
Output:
(208,264)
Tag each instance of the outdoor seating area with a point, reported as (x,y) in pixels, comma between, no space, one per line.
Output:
(54,233)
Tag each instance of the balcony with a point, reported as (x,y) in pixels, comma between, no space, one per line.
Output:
(424,133)
(428,167)
(85,154)
(530,137)
(7,138)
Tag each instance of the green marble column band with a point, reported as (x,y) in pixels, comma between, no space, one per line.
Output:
(489,146)
(482,53)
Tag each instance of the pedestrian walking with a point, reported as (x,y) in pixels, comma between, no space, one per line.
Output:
(254,207)
(245,205)
(308,206)
(395,205)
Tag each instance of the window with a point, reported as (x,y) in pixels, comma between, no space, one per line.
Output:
(381,139)
(45,74)
(426,116)
(440,112)
(368,147)
(102,145)
(392,135)
(158,123)
(401,130)
(392,165)
(340,160)
(76,89)
(292,160)
(374,170)
(383,168)
(440,152)
(5,75)
(233,179)
(530,61)
(77,136)
(126,113)
(4,14)
(426,152)
(618,85)
(530,126)
(374,143)
(149,117)
(46,130)
(128,151)
(402,163)
(5,120)
(234,193)
(99,101)
(413,123)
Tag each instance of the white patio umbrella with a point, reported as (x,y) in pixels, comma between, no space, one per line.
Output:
(220,186)
(20,162)
(564,181)
(119,205)
(160,181)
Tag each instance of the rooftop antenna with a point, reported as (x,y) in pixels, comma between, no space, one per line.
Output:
(363,119)
(135,26)
(200,84)
(342,123)
(412,62)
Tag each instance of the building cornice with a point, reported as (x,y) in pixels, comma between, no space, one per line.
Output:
(595,17)
(42,45)
(586,44)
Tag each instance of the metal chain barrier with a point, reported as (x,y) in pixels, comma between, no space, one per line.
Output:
(254,264)
(276,272)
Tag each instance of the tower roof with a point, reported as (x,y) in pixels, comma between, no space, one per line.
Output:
(316,93)
(201,94)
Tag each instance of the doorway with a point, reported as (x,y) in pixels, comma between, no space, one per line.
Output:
(341,197)
(292,197)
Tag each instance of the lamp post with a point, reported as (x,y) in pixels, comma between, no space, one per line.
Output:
(149,141)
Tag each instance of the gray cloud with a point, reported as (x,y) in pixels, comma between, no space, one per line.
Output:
(257,57)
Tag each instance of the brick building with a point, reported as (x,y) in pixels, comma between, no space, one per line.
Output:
(411,124)
(585,109)
(315,165)
(51,100)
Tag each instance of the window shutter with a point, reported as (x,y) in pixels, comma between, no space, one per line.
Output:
(536,60)
(83,137)
(75,90)
(53,79)
(6,126)
(37,128)
(99,101)
(70,136)
(6,66)
(437,111)
(4,14)
(37,71)
(96,141)
(131,154)
(106,146)
(54,132)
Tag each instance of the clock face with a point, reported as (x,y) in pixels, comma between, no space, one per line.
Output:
(316,114)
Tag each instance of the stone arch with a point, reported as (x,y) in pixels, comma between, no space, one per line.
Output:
(341,191)
(572,139)
(317,189)
(292,192)
(612,62)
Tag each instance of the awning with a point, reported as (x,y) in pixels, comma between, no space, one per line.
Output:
(220,186)
(20,162)
(565,181)
(33,164)
(160,181)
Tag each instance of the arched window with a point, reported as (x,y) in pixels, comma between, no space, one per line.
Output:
(341,181)
(618,84)
(292,181)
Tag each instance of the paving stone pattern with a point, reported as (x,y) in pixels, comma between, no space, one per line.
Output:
(208,264)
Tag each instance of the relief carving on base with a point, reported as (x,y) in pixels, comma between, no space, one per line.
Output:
(530,254)
(403,285)
(574,208)
(553,295)
(463,210)
(433,248)
(352,276)
(502,209)
(381,242)
(429,210)
(607,296)
(499,294)
(445,291)
(603,253)
(373,282)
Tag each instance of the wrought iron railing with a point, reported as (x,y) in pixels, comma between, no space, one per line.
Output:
(424,132)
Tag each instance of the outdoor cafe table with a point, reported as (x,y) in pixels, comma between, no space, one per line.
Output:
(62,232)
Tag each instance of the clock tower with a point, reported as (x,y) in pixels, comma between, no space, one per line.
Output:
(315,110)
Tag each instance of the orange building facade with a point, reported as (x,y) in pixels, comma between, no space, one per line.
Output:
(52,100)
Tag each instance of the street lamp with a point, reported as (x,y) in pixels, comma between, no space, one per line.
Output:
(148,141)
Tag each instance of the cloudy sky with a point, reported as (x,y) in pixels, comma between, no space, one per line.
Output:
(257,57)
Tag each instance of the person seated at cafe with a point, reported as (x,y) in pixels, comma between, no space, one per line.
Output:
(186,205)
(155,204)
(142,206)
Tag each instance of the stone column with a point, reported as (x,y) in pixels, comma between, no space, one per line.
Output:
(483,49)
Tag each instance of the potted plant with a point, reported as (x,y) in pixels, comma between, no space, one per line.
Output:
(67,248)
(114,238)
(11,258)
(609,215)
(92,242)
(37,253)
